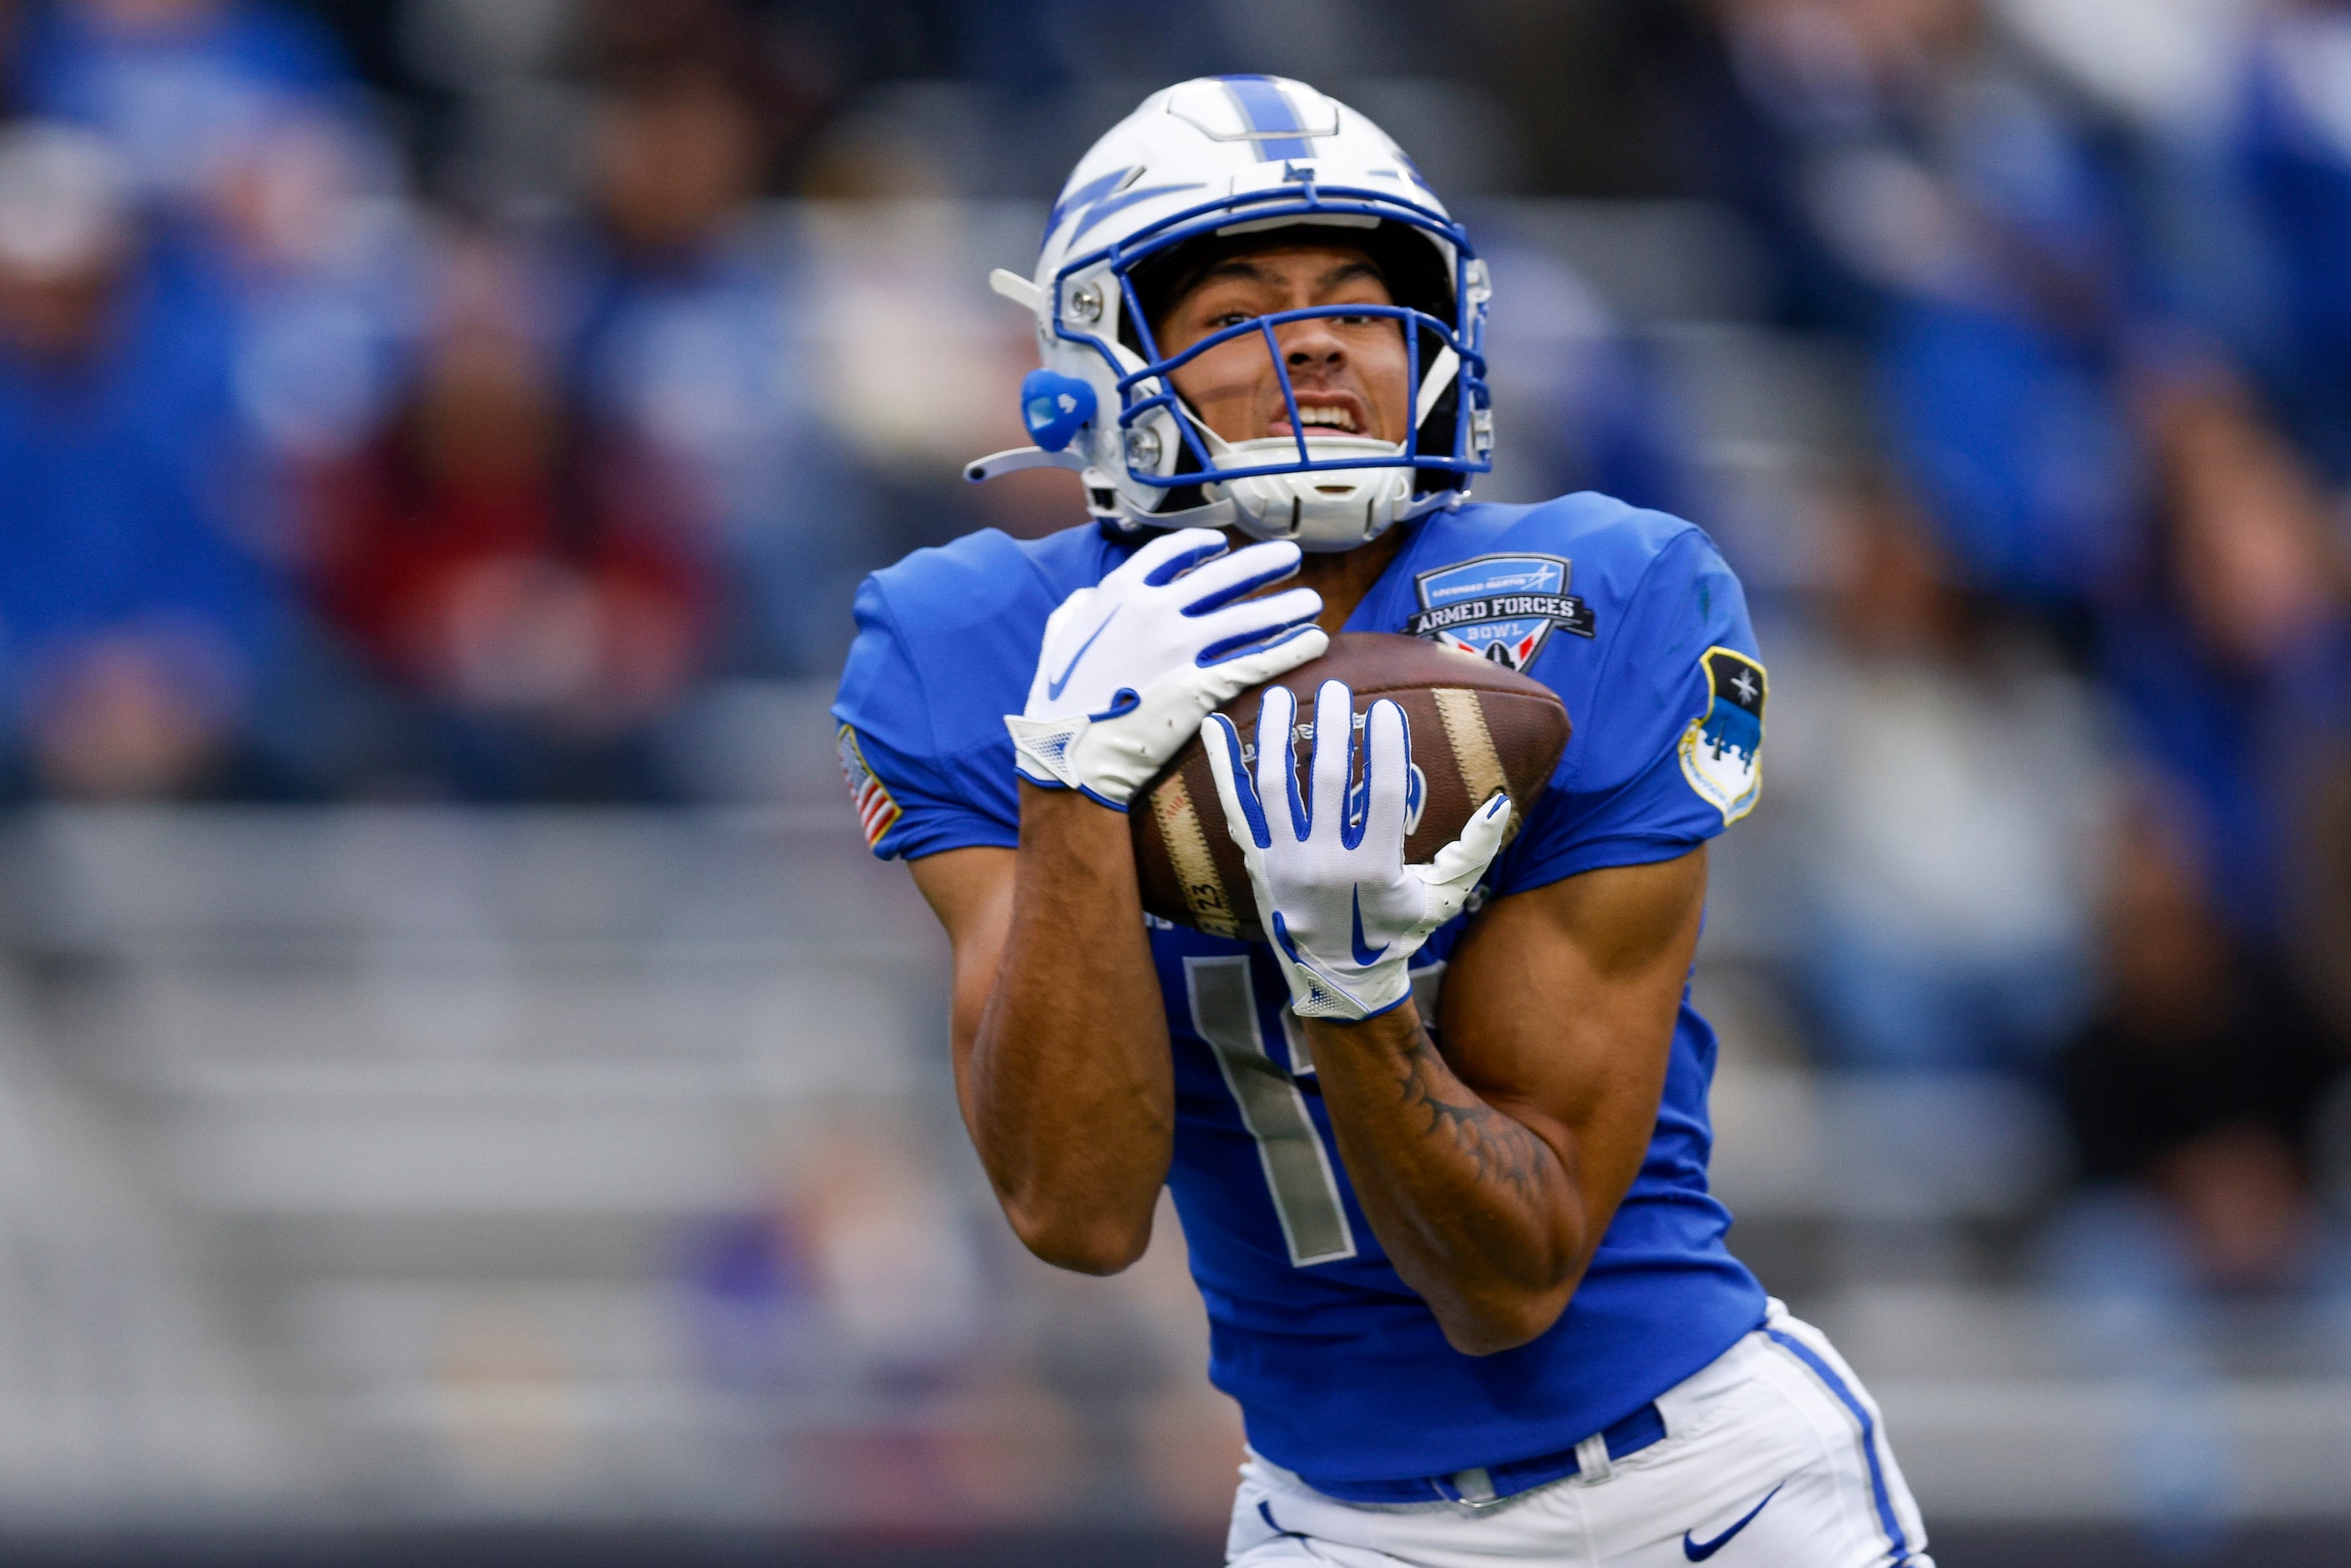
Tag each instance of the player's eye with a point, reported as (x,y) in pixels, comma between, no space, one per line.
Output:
(1228,319)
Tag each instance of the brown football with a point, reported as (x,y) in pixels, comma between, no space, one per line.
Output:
(1476,727)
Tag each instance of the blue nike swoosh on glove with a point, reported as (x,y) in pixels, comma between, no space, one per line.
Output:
(1697,1552)
(1053,688)
(1364,956)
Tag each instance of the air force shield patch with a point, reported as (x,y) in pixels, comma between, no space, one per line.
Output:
(1722,750)
(1499,607)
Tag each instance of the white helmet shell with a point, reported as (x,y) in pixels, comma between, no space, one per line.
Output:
(1219,156)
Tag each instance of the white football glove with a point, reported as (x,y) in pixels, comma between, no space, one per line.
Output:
(1132,666)
(1345,914)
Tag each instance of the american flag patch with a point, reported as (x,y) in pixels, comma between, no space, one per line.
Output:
(876,811)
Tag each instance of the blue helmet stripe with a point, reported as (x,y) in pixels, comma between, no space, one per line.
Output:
(1092,191)
(1120,203)
(1265,109)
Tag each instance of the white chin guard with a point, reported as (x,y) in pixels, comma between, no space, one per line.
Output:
(1324,510)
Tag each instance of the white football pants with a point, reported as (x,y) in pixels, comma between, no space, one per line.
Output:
(1773,1458)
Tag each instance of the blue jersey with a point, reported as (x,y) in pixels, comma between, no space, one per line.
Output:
(1338,1366)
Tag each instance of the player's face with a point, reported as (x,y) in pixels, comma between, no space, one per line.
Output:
(1349,373)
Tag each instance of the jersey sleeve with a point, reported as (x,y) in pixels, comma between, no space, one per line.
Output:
(913,795)
(1668,753)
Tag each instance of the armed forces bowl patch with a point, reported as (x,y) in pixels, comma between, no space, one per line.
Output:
(876,811)
(1722,750)
(1499,607)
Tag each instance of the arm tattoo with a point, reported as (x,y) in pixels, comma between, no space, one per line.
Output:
(1504,1150)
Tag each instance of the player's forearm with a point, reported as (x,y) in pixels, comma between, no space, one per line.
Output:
(1477,1212)
(1071,1093)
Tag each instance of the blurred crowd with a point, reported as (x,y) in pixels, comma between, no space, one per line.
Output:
(427,401)
(2064,708)
(337,470)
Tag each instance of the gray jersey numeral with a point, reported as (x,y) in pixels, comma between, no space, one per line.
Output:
(1297,1168)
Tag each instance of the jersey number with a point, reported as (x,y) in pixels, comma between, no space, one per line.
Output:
(1297,1168)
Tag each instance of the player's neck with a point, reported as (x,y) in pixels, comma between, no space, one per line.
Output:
(1342,577)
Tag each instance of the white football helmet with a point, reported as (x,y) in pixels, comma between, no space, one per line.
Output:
(1220,156)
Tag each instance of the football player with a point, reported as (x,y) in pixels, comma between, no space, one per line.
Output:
(1439,1149)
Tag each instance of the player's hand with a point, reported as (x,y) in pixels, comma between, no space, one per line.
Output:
(1132,666)
(1345,913)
